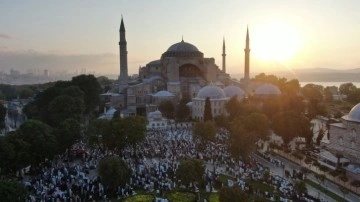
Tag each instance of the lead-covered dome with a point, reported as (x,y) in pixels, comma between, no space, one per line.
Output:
(267,89)
(163,93)
(231,91)
(211,91)
(182,49)
(354,114)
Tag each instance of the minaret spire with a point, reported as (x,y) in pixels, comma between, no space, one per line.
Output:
(123,78)
(223,56)
(247,56)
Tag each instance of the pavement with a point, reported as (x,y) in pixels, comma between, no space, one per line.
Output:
(329,185)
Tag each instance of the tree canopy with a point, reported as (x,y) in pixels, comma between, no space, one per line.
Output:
(113,172)
(190,170)
(205,130)
(167,108)
(207,110)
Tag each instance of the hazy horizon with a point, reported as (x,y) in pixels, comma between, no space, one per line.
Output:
(74,35)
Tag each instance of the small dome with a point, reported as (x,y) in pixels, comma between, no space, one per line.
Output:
(354,114)
(211,91)
(231,91)
(182,47)
(156,115)
(163,93)
(267,89)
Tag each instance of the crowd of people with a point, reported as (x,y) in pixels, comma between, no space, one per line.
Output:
(153,163)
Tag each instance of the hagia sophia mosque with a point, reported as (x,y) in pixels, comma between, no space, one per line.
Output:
(182,72)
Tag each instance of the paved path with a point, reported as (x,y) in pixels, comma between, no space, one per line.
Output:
(332,187)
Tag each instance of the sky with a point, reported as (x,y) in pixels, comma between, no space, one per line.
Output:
(70,35)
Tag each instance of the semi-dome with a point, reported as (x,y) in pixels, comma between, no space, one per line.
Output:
(231,91)
(182,49)
(211,91)
(267,89)
(354,114)
(163,93)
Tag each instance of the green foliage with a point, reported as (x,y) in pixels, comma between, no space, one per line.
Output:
(67,133)
(207,110)
(98,132)
(40,138)
(12,191)
(8,91)
(257,124)
(182,111)
(140,198)
(300,187)
(241,142)
(181,196)
(64,107)
(233,107)
(228,194)
(221,121)
(113,172)
(91,87)
(2,116)
(313,91)
(167,108)
(190,170)
(347,88)
(205,130)
(290,124)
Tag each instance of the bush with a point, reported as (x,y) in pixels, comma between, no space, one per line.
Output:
(140,198)
(181,197)
(308,160)
(334,173)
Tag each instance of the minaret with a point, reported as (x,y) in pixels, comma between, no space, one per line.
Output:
(224,57)
(123,78)
(247,56)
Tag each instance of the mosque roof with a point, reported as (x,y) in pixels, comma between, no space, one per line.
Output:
(354,114)
(267,89)
(231,91)
(211,91)
(183,49)
(163,93)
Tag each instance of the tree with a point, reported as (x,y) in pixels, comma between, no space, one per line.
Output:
(328,93)
(113,172)
(258,125)
(182,111)
(241,142)
(40,138)
(190,171)
(205,130)
(289,125)
(12,191)
(233,107)
(320,136)
(167,108)
(221,121)
(2,116)
(97,133)
(300,187)
(313,91)
(207,110)
(67,133)
(320,178)
(91,87)
(64,107)
(347,88)
(228,194)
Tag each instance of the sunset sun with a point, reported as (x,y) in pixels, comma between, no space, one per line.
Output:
(275,42)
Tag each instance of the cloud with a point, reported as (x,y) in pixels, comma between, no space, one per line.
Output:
(5,36)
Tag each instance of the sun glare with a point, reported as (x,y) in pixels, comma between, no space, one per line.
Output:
(275,42)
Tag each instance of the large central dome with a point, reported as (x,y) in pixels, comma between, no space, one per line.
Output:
(182,49)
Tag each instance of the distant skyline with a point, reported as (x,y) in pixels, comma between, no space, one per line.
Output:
(74,35)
